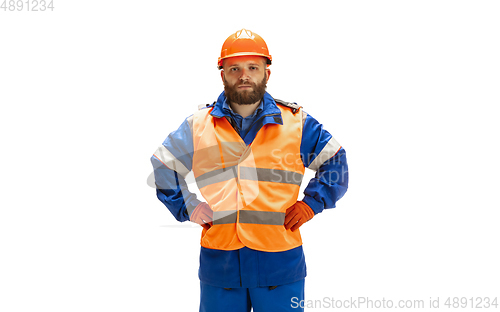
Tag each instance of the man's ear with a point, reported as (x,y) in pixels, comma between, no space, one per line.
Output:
(222,74)
(268,71)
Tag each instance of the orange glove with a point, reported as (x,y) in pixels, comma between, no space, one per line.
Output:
(202,215)
(297,215)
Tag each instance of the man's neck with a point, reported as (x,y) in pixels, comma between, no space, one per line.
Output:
(244,110)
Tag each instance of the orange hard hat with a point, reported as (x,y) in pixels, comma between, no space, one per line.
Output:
(244,42)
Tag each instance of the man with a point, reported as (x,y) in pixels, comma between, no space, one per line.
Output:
(248,153)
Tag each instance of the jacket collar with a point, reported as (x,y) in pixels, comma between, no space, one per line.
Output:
(227,108)
(268,103)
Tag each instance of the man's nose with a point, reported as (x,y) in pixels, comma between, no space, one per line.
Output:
(244,75)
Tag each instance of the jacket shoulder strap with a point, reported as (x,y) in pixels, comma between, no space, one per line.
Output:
(202,106)
(294,106)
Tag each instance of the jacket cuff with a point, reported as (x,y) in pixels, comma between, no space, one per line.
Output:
(316,206)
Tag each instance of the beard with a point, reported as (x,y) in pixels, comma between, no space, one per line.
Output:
(245,97)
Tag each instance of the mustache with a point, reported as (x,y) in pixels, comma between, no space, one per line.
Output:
(247,83)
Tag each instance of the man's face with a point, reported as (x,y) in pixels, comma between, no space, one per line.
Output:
(245,79)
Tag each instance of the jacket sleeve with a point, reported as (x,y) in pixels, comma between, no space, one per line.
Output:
(322,153)
(171,162)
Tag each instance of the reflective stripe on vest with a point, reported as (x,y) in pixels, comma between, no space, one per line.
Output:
(249,187)
(249,173)
(246,216)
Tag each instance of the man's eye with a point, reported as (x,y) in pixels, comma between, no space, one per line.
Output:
(234,69)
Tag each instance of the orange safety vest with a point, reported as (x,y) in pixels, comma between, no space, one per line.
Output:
(249,187)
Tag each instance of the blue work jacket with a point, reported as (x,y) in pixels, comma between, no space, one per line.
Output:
(246,267)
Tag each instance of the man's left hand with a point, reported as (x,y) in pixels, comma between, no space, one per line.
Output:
(297,215)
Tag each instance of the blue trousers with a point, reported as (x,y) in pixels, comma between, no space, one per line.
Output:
(261,299)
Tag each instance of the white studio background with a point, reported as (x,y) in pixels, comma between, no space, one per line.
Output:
(89,90)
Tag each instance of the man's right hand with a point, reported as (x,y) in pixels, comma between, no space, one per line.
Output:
(202,215)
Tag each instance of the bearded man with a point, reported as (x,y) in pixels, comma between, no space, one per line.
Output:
(248,153)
